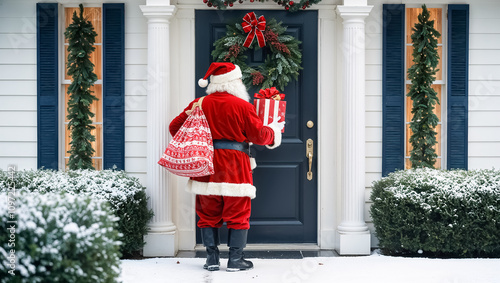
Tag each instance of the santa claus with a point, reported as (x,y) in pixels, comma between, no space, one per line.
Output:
(226,195)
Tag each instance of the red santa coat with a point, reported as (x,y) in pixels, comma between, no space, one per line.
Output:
(235,119)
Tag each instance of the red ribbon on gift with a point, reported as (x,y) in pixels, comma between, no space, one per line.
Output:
(270,93)
(254,27)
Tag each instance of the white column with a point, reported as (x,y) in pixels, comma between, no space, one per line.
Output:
(353,233)
(161,239)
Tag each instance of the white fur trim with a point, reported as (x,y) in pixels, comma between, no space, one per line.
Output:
(227,77)
(277,137)
(221,189)
(236,88)
(202,83)
(253,163)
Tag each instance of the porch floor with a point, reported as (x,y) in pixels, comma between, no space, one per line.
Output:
(264,254)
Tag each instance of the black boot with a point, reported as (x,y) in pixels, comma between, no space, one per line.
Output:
(210,238)
(237,241)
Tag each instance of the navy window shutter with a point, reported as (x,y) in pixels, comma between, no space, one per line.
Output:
(393,88)
(113,85)
(47,85)
(457,86)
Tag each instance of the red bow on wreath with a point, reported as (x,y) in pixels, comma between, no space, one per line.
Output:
(254,27)
(270,93)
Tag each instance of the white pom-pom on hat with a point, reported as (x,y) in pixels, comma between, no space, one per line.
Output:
(202,82)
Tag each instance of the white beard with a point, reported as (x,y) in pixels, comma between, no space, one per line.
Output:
(235,87)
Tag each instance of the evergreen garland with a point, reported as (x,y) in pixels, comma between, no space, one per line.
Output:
(424,97)
(81,36)
(288,5)
(279,68)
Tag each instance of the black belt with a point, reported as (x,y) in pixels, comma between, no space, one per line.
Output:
(227,144)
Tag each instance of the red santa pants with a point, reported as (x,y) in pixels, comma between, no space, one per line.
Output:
(215,210)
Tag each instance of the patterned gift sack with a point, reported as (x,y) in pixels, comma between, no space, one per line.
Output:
(191,151)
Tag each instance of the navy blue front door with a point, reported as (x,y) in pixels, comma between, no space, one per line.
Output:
(285,209)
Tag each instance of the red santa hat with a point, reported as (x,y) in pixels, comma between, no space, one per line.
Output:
(220,72)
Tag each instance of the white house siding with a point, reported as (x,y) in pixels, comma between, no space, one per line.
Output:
(17,84)
(136,59)
(18,101)
(484,89)
(373,105)
(484,85)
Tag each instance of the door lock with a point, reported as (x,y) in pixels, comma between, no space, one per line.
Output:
(310,124)
(310,154)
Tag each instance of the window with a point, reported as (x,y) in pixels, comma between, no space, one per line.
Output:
(93,14)
(454,53)
(436,14)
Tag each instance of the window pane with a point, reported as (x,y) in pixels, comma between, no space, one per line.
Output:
(66,76)
(437,165)
(407,163)
(437,147)
(97,163)
(93,14)
(408,144)
(66,99)
(96,145)
(409,105)
(96,106)
(95,58)
(439,74)
(67,139)
(437,109)
(409,62)
(409,59)
(412,19)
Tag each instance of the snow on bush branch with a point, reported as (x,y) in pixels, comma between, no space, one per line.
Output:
(437,212)
(60,238)
(125,194)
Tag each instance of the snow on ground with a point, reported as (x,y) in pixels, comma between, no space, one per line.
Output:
(369,269)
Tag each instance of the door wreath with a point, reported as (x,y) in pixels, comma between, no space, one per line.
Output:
(279,68)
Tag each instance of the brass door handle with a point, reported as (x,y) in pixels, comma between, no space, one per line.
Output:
(310,154)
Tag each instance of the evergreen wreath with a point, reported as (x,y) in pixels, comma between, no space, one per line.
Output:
(289,5)
(279,68)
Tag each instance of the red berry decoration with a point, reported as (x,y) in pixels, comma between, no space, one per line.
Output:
(230,4)
(286,8)
(209,4)
(291,3)
(251,1)
(205,1)
(304,7)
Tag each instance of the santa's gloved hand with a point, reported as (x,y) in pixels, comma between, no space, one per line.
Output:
(277,125)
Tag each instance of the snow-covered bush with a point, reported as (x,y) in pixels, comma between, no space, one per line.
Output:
(125,194)
(438,213)
(58,238)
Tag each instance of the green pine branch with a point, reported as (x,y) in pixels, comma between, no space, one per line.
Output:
(424,97)
(81,37)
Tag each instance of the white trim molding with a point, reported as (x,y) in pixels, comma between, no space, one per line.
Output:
(183,81)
